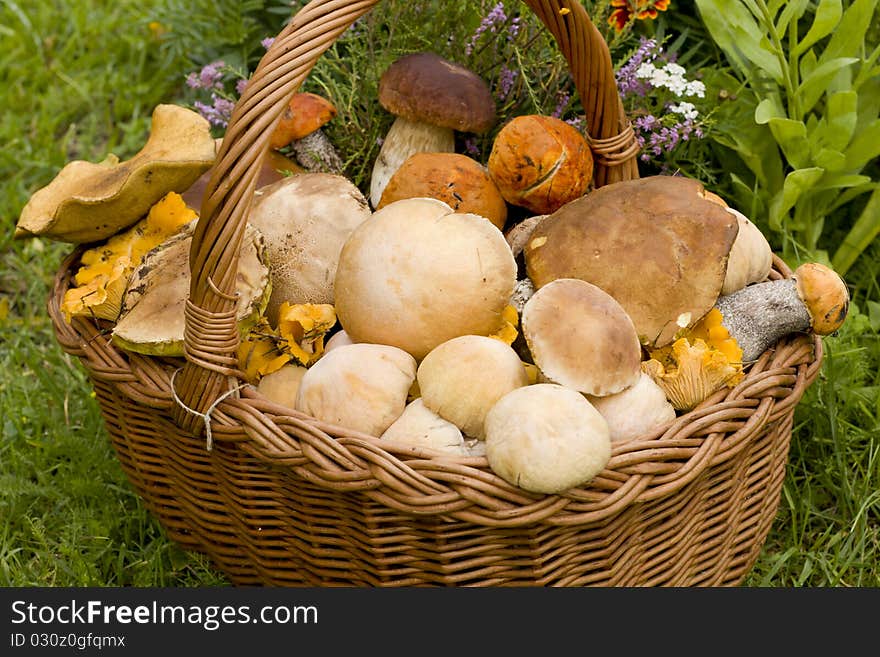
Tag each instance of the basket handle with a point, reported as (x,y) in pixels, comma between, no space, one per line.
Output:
(211,335)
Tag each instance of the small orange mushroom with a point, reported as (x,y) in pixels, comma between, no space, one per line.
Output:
(305,113)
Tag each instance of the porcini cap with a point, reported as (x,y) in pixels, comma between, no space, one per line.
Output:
(456,179)
(580,337)
(655,244)
(423,86)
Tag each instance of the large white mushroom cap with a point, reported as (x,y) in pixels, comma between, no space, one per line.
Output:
(362,387)
(417,274)
(546,438)
(419,426)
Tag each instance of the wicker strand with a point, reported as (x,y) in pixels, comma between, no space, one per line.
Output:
(614,151)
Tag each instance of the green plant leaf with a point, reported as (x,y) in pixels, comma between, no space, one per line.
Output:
(863,232)
(829,159)
(796,183)
(791,136)
(865,147)
(827,16)
(794,9)
(816,83)
(837,127)
(841,181)
(735,31)
(849,37)
(768,109)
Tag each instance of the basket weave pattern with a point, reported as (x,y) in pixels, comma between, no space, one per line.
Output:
(283,499)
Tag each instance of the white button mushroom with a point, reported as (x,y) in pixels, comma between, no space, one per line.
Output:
(462,378)
(636,410)
(282,385)
(546,438)
(362,387)
(419,426)
(417,274)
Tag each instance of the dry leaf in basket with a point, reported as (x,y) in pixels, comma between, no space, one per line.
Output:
(152,318)
(655,244)
(87,202)
(105,269)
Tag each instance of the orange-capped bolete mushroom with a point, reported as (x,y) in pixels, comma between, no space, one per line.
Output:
(655,244)
(540,163)
(305,113)
(580,337)
(742,326)
(431,98)
(417,274)
(456,179)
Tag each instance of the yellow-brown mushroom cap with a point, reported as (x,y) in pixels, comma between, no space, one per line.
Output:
(655,244)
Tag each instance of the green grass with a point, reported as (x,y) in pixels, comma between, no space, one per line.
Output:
(80,79)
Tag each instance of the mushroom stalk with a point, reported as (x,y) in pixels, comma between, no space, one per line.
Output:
(406,138)
(316,153)
(813,299)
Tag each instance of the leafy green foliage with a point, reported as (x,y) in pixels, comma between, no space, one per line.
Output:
(807,118)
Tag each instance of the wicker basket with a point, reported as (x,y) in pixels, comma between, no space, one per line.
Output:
(275,497)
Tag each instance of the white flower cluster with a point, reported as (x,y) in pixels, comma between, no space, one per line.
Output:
(687,110)
(671,76)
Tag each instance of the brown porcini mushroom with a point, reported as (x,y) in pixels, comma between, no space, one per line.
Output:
(305,220)
(655,244)
(540,163)
(458,180)
(546,438)
(417,274)
(580,337)
(431,98)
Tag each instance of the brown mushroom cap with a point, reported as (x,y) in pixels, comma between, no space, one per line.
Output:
(540,163)
(417,274)
(458,180)
(424,87)
(580,337)
(655,244)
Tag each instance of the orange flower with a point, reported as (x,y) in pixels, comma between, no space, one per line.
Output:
(629,10)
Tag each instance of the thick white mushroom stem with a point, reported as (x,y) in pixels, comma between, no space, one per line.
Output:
(316,153)
(814,299)
(406,138)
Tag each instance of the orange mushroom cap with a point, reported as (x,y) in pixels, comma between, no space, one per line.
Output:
(305,113)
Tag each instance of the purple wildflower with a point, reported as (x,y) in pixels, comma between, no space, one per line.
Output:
(240,86)
(267,42)
(506,80)
(217,114)
(490,23)
(627,82)
(471,147)
(210,77)
(561,103)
